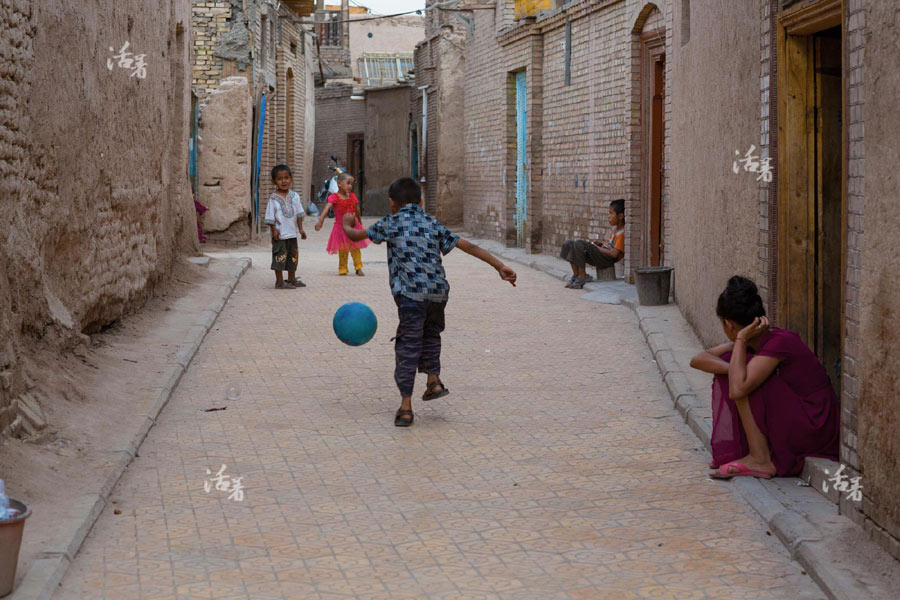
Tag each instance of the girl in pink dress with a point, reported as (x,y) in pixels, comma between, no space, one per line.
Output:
(772,402)
(343,202)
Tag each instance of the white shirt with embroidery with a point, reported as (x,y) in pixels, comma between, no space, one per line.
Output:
(283,213)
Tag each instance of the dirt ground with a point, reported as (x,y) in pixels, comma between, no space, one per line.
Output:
(94,398)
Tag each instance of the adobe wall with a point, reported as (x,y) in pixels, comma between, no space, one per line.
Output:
(714,213)
(386,145)
(400,34)
(95,197)
(879,378)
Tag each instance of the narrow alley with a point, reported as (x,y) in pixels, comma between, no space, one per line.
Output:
(554,469)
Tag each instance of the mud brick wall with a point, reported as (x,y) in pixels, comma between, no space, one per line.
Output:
(94,191)
(440,65)
(871,380)
(268,46)
(386,146)
(716,111)
(286,62)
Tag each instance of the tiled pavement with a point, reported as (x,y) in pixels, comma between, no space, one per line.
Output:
(555,469)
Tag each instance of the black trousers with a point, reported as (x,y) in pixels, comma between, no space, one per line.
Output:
(418,343)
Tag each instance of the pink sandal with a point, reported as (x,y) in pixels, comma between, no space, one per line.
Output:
(742,471)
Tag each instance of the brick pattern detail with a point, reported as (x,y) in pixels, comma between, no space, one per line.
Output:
(580,136)
(279,47)
(336,116)
(648,18)
(276,60)
(427,59)
(850,384)
(210,21)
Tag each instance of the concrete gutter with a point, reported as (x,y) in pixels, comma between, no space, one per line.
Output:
(835,552)
(45,575)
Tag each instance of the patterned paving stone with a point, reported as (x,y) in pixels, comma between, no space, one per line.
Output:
(555,469)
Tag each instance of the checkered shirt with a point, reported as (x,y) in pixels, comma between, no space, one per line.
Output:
(415,244)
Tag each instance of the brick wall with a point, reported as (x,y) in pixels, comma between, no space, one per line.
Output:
(277,51)
(287,141)
(336,116)
(578,132)
(850,375)
(210,21)
(486,129)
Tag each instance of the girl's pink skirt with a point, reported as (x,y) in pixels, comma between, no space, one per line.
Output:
(338,240)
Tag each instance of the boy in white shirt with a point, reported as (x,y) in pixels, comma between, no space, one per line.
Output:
(284,216)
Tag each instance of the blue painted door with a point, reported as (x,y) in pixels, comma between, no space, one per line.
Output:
(521,158)
(192,143)
(257,155)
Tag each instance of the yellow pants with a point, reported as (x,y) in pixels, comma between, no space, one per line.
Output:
(342,260)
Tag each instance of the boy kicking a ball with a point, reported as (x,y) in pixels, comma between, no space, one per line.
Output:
(419,285)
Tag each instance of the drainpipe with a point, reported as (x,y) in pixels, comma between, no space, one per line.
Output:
(423,178)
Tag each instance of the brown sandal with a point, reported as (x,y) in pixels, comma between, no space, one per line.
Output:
(432,395)
(400,420)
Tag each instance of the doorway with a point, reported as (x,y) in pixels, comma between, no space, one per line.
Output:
(356,164)
(812,175)
(653,87)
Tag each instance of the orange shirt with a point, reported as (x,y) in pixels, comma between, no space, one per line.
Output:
(616,240)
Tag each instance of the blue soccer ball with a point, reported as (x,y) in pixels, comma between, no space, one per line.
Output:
(354,323)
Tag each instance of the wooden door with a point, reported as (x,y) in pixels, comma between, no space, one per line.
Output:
(356,163)
(655,176)
(811,195)
(653,126)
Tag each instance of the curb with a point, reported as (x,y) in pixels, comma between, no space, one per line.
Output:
(43,578)
(802,540)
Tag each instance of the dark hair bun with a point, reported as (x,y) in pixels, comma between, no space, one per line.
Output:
(740,301)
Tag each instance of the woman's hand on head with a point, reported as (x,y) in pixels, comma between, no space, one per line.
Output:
(758,327)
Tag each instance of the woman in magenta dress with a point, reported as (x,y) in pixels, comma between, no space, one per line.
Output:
(343,202)
(772,402)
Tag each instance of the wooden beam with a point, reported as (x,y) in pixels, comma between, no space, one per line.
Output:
(812,16)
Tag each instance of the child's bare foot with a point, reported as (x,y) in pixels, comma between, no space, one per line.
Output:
(360,272)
